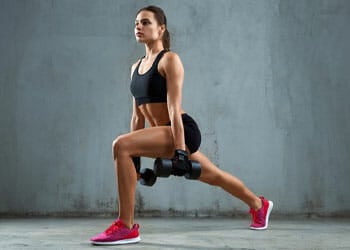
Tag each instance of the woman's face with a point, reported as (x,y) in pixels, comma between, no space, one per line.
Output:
(147,28)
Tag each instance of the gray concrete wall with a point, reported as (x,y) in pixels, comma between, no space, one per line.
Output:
(267,81)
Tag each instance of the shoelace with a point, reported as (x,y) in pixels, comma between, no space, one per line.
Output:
(112,228)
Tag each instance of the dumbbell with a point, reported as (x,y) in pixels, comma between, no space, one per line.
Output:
(166,167)
(147,176)
(180,165)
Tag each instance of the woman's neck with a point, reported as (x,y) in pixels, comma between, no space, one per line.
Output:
(153,49)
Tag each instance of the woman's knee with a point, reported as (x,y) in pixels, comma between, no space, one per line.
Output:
(120,145)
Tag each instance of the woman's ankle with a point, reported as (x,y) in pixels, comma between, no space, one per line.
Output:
(257,204)
(127,222)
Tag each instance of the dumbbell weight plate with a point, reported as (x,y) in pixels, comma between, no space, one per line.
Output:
(195,171)
(148,178)
(162,167)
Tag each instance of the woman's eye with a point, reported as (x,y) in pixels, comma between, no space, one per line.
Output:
(144,23)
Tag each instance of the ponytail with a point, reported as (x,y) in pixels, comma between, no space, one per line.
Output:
(166,40)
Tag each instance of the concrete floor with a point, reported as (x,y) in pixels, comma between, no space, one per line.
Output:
(175,233)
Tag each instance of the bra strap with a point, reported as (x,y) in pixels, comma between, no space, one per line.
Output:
(159,56)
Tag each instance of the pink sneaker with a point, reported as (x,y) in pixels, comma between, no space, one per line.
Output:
(260,218)
(117,234)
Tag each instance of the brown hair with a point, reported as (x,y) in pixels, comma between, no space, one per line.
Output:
(161,19)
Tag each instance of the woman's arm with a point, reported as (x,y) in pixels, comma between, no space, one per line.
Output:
(174,74)
(137,118)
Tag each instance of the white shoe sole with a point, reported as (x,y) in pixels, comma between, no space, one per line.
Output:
(267,218)
(118,242)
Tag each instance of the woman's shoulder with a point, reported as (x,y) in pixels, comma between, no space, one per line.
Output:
(170,62)
(170,58)
(171,55)
(136,63)
(133,67)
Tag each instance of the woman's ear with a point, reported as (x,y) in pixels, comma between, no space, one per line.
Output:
(162,29)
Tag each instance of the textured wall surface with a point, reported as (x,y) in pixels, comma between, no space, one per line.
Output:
(267,81)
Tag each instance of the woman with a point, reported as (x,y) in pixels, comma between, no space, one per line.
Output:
(156,85)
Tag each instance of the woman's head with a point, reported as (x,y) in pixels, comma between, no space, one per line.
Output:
(151,25)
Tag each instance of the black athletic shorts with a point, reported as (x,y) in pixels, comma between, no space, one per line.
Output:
(192,133)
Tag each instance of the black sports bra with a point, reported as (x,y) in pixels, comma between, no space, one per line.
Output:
(149,87)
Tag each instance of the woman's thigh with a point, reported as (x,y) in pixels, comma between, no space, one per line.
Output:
(209,172)
(149,142)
